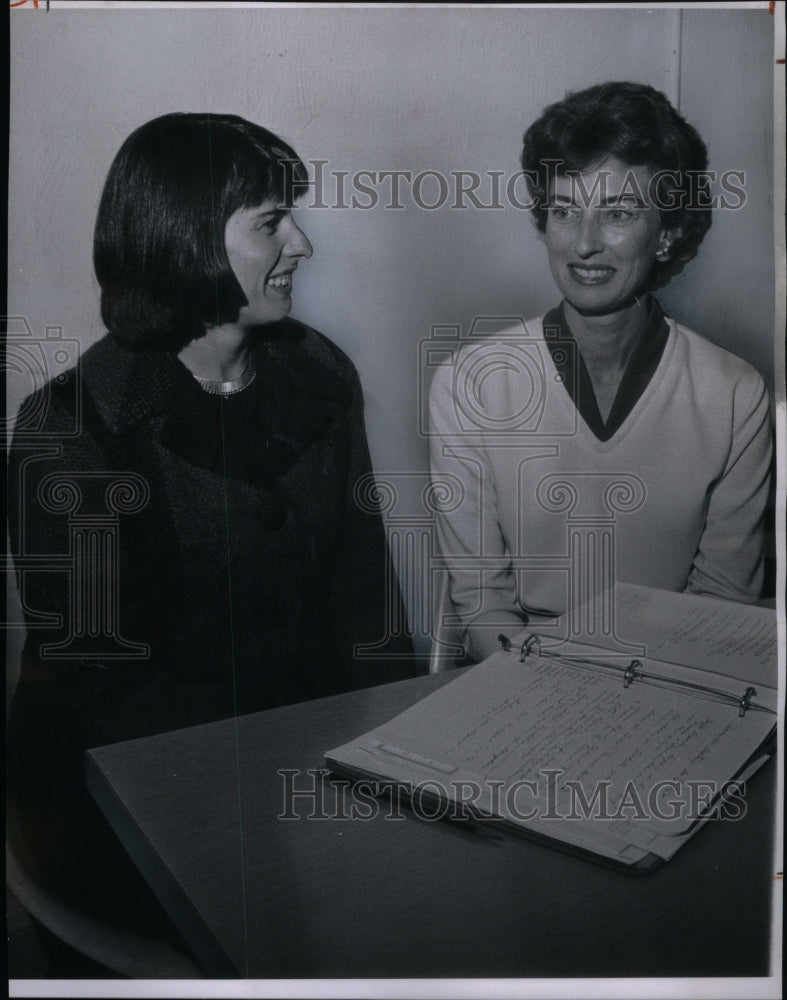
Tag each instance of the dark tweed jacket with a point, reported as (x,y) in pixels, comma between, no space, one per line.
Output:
(248,594)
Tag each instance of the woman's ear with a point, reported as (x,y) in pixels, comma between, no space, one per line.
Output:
(667,240)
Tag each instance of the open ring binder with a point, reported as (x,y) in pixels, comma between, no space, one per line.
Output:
(617,760)
(531,646)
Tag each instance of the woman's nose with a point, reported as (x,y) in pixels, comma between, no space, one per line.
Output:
(298,244)
(588,235)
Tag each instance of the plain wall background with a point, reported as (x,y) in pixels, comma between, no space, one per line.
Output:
(385,89)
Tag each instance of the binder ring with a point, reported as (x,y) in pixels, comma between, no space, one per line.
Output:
(531,645)
(631,672)
(745,702)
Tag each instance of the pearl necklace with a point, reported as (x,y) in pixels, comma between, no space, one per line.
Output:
(231,387)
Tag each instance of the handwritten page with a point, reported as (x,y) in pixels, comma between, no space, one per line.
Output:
(570,742)
(707,633)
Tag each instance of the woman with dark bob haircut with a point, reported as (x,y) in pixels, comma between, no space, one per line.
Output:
(603,408)
(224,442)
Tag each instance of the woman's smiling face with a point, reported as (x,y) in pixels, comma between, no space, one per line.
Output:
(602,235)
(264,245)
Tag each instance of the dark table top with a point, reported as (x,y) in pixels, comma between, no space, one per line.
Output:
(256,895)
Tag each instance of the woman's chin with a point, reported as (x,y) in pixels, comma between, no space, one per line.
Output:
(274,314)
(586,307)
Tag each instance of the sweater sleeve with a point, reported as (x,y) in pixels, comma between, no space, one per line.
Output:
(485,598)
(729,560)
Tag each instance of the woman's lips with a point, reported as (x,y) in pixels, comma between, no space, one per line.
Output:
(281,282)
(586,275)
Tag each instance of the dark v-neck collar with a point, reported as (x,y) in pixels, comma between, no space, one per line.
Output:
(639,371)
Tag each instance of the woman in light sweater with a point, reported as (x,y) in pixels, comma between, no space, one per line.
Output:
(602,441)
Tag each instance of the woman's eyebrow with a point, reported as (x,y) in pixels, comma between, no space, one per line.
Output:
(275,213)
(628,198)
(624,198)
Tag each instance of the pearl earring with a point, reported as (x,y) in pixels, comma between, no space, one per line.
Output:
(663,253)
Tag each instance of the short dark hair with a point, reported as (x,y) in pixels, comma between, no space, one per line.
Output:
(636,124)
(158,248)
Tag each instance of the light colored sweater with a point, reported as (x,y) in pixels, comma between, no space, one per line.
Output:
(674,499)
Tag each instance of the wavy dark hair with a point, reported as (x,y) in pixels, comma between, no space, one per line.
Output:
(158,248)
(636,124)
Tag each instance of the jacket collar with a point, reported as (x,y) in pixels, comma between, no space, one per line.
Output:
(130,387)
